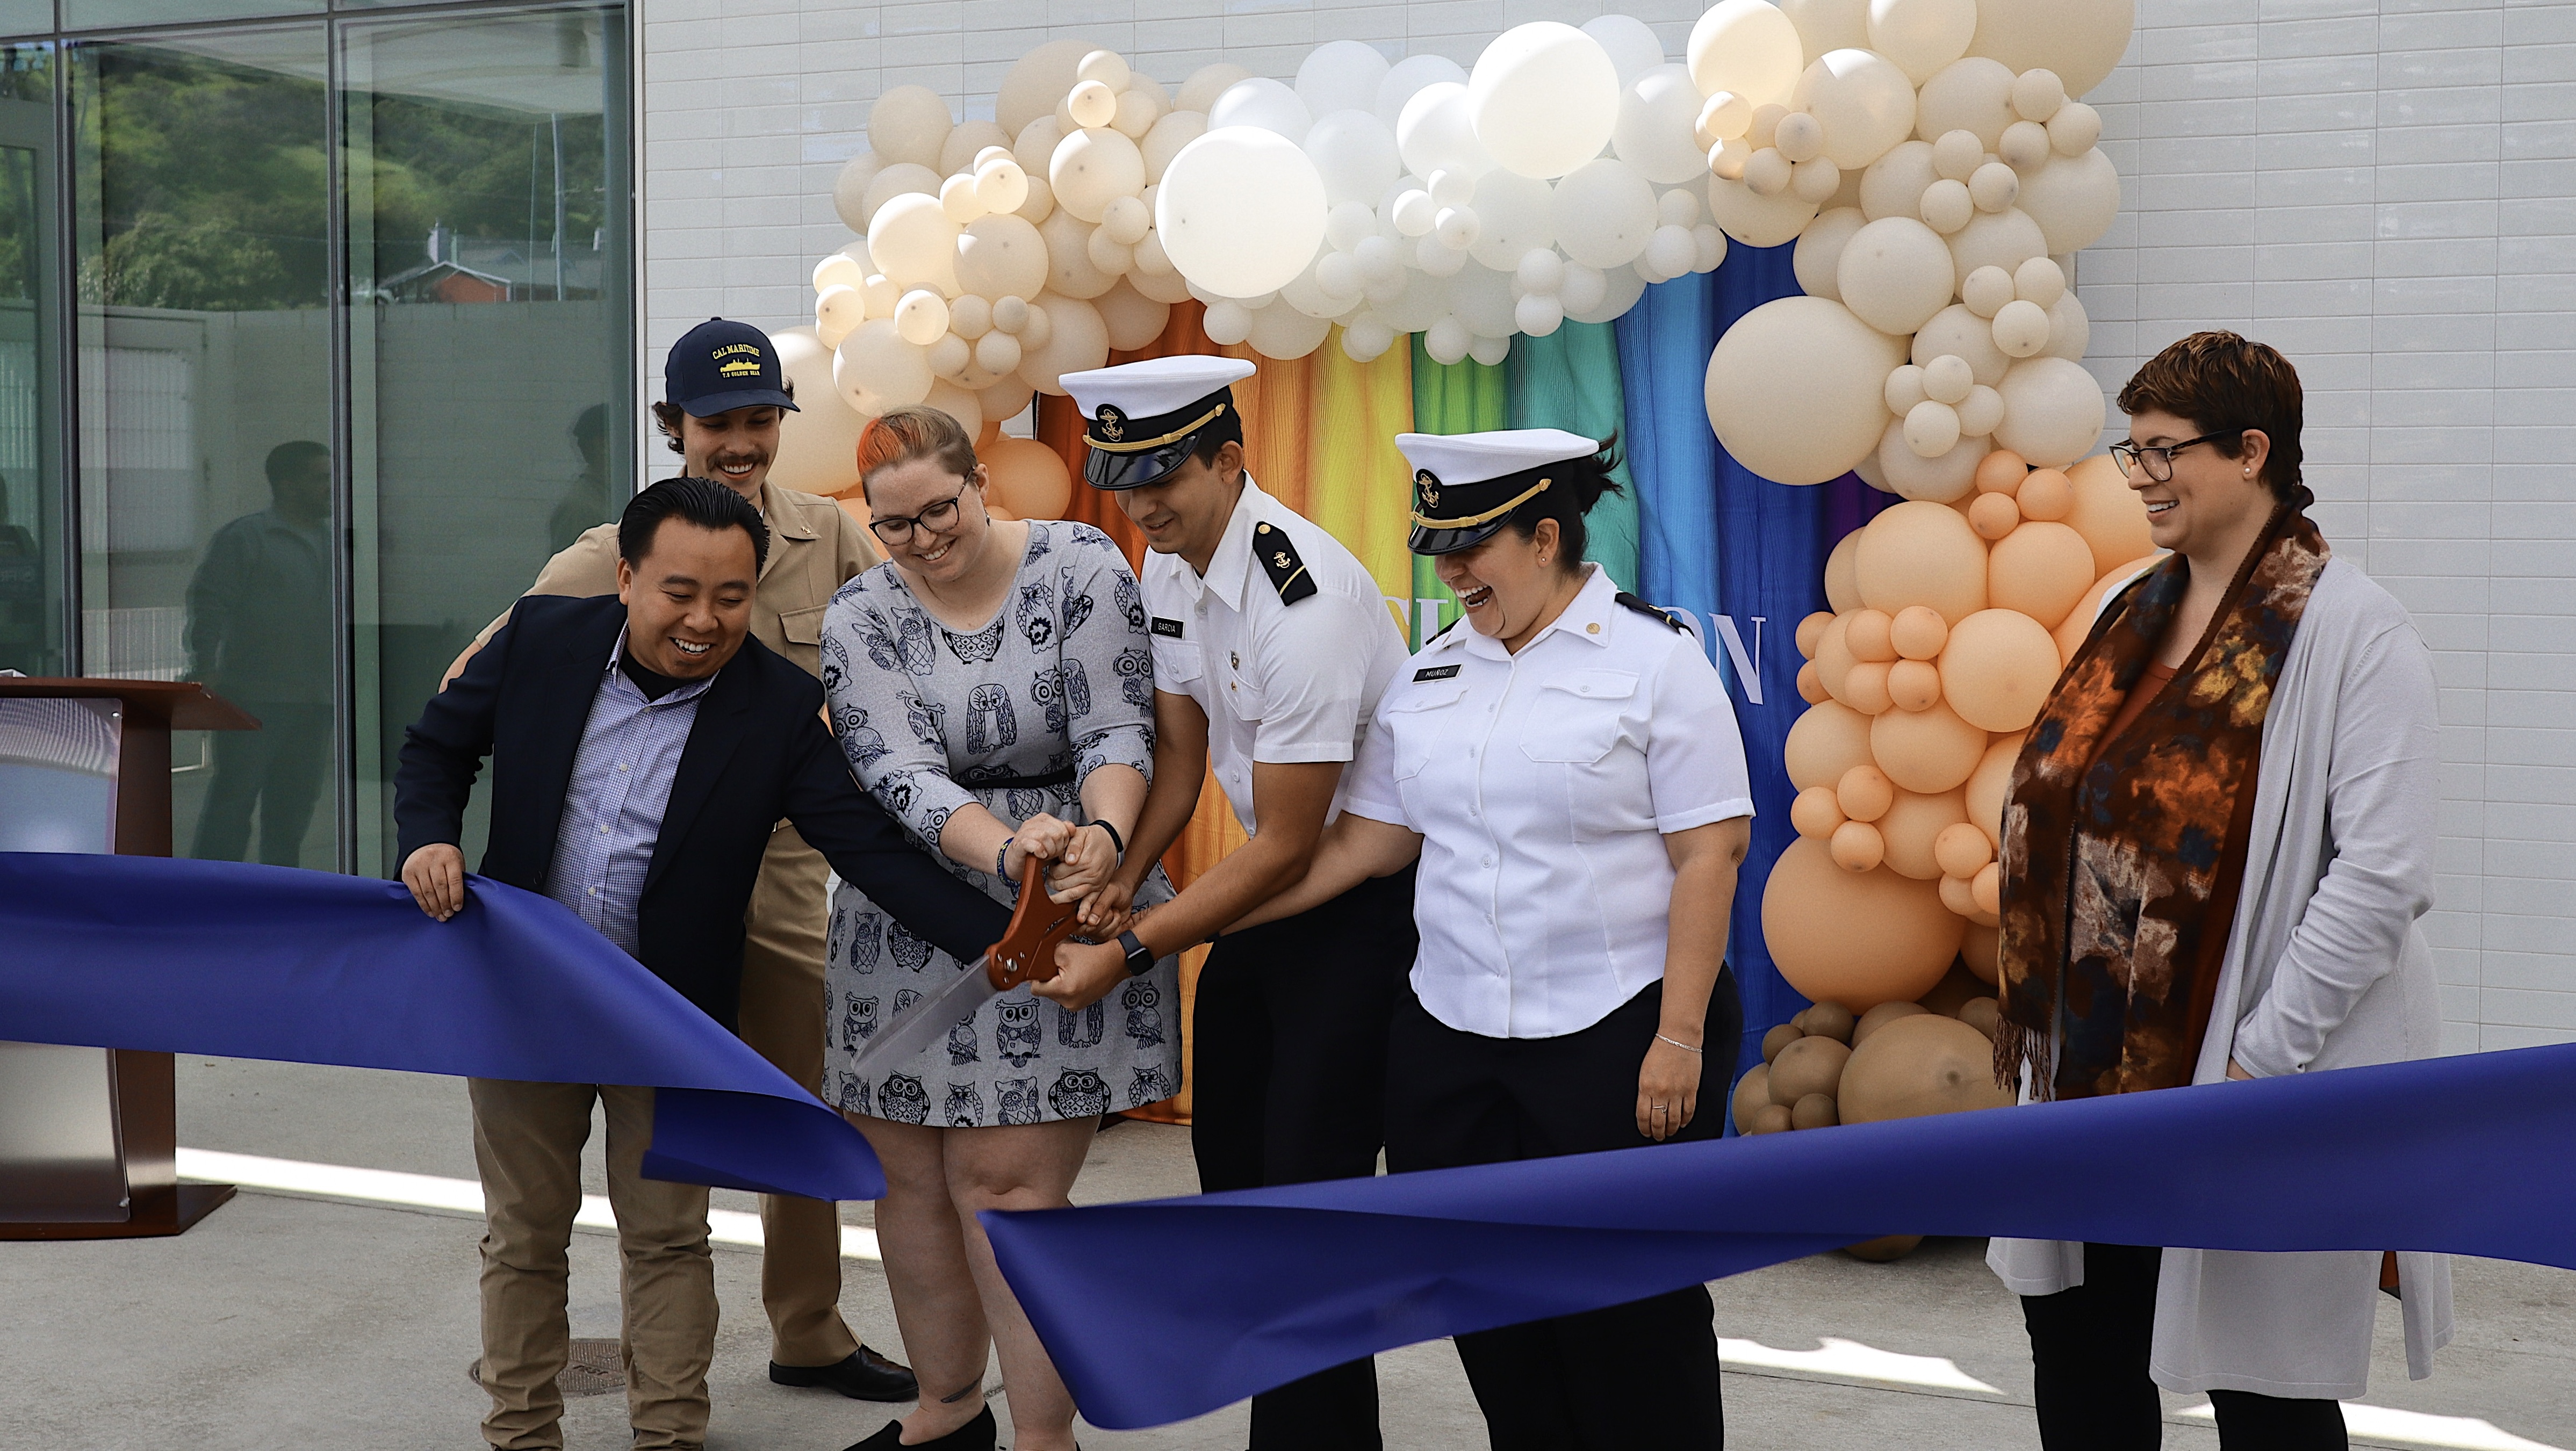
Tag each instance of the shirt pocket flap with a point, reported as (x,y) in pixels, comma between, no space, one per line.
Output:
(1176,664)
(1429,696)
(1596,684)
(1577,717)
(803,627)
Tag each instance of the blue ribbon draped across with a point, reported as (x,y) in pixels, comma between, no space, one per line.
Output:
(1255,1288)
(245,961)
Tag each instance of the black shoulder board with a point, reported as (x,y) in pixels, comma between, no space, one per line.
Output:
(1279,559)
(1435,672)
(1443,630)
(1168,629)
(1629,601)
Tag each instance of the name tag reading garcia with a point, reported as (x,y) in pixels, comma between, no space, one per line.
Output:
(1168,629)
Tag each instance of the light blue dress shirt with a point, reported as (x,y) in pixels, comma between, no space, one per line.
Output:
(612,812)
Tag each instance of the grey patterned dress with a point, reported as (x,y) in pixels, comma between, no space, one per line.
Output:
(1014,716)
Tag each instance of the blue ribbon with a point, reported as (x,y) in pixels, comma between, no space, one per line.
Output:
(1252,1289)
(245,961)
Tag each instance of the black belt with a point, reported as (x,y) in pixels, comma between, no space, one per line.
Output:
(1018,783)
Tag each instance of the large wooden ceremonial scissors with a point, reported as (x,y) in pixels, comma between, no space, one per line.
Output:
(1026,953)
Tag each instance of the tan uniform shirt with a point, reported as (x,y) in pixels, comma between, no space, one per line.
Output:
(815,547)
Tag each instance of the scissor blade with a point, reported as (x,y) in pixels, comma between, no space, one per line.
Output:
(925,1022)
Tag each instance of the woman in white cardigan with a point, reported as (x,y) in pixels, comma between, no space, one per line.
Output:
(2218,844)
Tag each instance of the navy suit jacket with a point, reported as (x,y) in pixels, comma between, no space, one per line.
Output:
(758,751)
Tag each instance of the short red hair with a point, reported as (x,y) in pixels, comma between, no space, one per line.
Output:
(908,433)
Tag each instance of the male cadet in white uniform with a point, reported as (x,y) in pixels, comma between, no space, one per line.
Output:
(1271,645)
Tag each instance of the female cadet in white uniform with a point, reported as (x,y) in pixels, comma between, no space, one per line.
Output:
(1568,771)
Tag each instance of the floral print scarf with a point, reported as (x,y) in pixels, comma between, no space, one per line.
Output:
(2113,856)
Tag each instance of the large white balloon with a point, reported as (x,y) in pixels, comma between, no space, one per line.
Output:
(1820,251)
(1036,82)
(2070,329)
(1167,138)
(1481,298)
(1620,289)
(1438,133)
(901,178)
(1757,221)
(1828,25)
(1407,77)
(1265,103)
(1657,113)
(1208,82)
(912,238)
(818,441)
(1795,389)
(1281,331)
(1544,98)
(1603,213)
(1424,301)
(1092,168)
(1071,270)
(1340,75)
(1130,318)
(1921,36)
(1748,47)
(1076,340)
(2053,412)
(1894,274)
(1001,256)
(1955,331)
(1240,211)
(1630,43)
(1972,95)
(875,369)
(2073,198)
(1941,480)
(1515,215)
(1866,103)
(1355,155)
(2081,40)
(850,189)
(909,123)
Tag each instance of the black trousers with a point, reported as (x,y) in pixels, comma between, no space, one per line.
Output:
(2089,1348)
(278,769)
(1288,1085)
(1638,1375)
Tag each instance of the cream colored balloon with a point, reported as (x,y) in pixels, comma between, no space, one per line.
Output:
(850,189)
(1931,429)
(916,244)
(818,441)
(1998,668)
(1132,319)
(909,123)
(2073,199)
(1037,81)
(1033,147)
(1794,389)
(1757,221)
(1820,249)
(998,353)
(958,198)
(1828,25)
(959,404)
(1076,340)
(966,145)
(1922,553)
(1281,331)
(2070,330)
(1894,274)
(1092,168)
(1893,185)
(1940,479)
(1947,379)
(2021,328)
(901,178)
(1865,102)
(1994,187)
(1207,83)
(2080,40)
(1947,206)
(1973,94)
(1842,574)
(2004,239)
(921,317)
(1748,47)
(2053,411)
(874,369)
(1092,105)
(1921,36)
(1981,412)
(2025,146)
(1071,272)
(1165,141)
(1002,257)
(2074,129)
(838,310)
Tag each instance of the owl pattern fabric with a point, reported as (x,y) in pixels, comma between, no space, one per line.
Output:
(932,718)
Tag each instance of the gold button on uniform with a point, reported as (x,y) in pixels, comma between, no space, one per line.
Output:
(1593,629)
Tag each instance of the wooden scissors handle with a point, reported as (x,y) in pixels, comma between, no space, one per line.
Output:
(1026,952)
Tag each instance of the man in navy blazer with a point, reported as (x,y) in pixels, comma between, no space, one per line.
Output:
(644,747)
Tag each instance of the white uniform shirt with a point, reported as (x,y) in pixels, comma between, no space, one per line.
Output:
(1279,682)
(1542,784)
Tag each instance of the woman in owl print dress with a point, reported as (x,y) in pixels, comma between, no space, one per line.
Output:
(991,686)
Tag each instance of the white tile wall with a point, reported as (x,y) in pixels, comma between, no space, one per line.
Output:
(2384,189)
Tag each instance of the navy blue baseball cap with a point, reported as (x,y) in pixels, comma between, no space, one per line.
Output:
(719,365)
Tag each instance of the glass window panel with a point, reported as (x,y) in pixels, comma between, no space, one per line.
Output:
(32,591)
(100,14)
(26,17)
(208,524)
(490,346)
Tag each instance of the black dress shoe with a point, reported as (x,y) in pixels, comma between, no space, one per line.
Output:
(863,1376)
(978,1434)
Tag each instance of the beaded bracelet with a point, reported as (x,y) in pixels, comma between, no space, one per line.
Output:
(1678,1043)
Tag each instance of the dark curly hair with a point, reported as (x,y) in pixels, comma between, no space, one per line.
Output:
(1574,487)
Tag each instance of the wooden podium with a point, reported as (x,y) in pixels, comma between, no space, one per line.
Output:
(89,1136)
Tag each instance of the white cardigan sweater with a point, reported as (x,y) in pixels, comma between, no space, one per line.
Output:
(2325,968)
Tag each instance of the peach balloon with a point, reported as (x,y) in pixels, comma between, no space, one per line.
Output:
(1961,850)
(1993,515)
(1989,784)
(1864,793)
(1857,846)
(2078,623)
(1959,894)
(2107,512)
(1829,739)
(1913,684)
(2046,494)
(1858,939)
(1913,823)
(1868,635)
(1810,630)
(1865,688)
(1818,812)
(1842,584)
(1925,750)
(2040,569)
(2000,472)
(1982,949)
(1921,553)
(1834,657)
(1998,669)
(1811,685)
(1989,887)
(1920,1065)
(1807,1066)
(1918,632)
(1029,478)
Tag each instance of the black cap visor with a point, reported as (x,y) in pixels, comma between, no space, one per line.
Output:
(1107,470)
(715,403)
(1430,541)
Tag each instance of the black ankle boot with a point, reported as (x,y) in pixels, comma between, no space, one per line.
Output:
(978,1434)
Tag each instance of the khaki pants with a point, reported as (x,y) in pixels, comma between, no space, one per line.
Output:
(782,1019)
(528,1139)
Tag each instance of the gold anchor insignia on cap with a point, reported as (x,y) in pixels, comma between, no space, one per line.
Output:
(1113,424)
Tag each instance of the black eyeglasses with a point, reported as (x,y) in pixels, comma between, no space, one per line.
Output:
(2157,460)
(939,518)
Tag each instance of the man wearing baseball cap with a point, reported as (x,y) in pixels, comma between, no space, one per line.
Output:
(723,394)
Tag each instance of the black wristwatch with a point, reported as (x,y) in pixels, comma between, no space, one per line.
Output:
(1140,958)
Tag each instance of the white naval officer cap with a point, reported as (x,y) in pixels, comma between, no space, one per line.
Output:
(1465,484)
(1143,419)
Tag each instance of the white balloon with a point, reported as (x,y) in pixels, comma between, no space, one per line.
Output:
(1757,221)
(916,243)
(2037,94)
(1995,186)
(1002,256)
(1921,36)
(902,178)
(1708,248)
(1481,298)
(1424,301)
(1944,479)
(2040,280)
(1338,276)
(1542,272)
(1092,168)
(1793,389)
(874,369)
(1036,81)
(1893,186)
(1931,429)
(1345,223)
(1076,340)
(1131,319)
(1948,379)
(1410,75)
(1340,75)
(2053,412)
(1980,411)
(2074,129)
(2081,40)
(1816,179)
(1435,255)
(1799,136)
(1414,213)
(2073,199)
(838,269)
(1948,206)
(1167,138)
(1446,341)
(1620,289)
(921,317)
(818,441)
(1241,210)
(1767,173)
(1355,154)
(1092,104)
(1264,103)
(1654,132)
(1748,47)
(1903,389)
(1281,331)
(2021,329)
(1955,331)
(1513,214)
(1630,43)
(2070,329)
(1828,25)
(1071,269)
(1208,82)
(1986,290)
(1670,252)
(1973,94)
(1582,288)
(1820,250)
(1682,206)
(1380,261)
(850,189)
(1367,339)
(1490,351)
(1603,213)
(909,123)
(1437,133)
(1544,97)
(1866,103)
(1227,322)
(1894,274)
(1126,220)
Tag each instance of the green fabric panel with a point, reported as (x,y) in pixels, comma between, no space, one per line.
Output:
(1570,380)
(1461,397)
